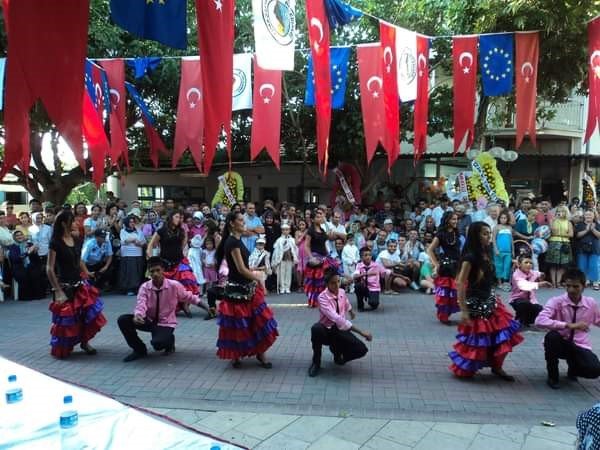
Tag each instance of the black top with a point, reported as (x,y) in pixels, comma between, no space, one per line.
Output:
(317,241)
(272,232)
(234,275)
(171,243)
(449,243)
(482,276)
(588,243)
(67,261)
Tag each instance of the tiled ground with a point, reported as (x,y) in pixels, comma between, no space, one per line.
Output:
(404,375)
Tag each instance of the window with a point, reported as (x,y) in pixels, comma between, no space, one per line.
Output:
(147,195)
(16,198)
(311,196)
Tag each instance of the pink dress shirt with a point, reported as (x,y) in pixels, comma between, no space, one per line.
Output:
(558,312)
(524,285)
(373,283)
(329,313)
(171,292)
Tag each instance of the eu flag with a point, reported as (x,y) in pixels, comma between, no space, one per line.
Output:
(339,60)
(160,20)
(496,62)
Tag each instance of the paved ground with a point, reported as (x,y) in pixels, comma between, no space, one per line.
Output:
(403,377)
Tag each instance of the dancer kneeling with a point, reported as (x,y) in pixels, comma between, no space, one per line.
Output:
(333,329)
(246,323)
(487,332)
(154,312)
(569,317)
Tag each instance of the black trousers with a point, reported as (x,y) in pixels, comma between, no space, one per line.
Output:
(582,362)
(343,344)
(99,278)
(362,294)
(526,312)
(162,337)
(212,294)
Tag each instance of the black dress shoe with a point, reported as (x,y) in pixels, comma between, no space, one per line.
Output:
(133,356)
(169,350)
(553,383)
(339,359)
(571,376)
(503,375)
(313,370)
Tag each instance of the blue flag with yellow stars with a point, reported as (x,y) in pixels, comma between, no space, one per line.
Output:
(339,60)
(159,20)
(496,63)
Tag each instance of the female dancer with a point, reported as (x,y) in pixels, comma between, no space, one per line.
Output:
(246,325)
(300,236)
(172,239)
(318,260)
(76,307)
(445,266)
(487,332)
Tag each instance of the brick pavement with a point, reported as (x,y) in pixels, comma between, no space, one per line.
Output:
(404,375)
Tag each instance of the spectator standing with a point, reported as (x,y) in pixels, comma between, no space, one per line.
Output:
(503,249)
(587,247)
(26,267)
(254,227)
(131,271)
(558,256)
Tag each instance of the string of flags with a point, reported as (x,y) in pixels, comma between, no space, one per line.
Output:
(392,72)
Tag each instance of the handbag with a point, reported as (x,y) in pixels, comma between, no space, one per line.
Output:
(238,292)
(70,289)
(481,308)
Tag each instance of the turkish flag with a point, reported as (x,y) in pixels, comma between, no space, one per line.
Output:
(464,77)
(215,36)
(47,44)
(422,103)
(95,137)
(189,131)
(115,72)
(391,100)
(526,67)
(318,34)
(593,119)
(266,115)
(371,96)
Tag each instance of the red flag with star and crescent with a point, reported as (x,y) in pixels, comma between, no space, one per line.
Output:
(39,39)
(95,138)
(422,103)
(593,119)
(464,76)
(266,113)
(115,72)
(526,67)
(389,69)
(371,96)
(318,34)
(215,36)
(189,131)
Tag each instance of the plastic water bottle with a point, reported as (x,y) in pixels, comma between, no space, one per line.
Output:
(14,393)
(69,417)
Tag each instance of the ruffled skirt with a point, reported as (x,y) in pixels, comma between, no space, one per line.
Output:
(77,321)
(485,342)
(314,280)
(446,301)
(245,328)
(183,273)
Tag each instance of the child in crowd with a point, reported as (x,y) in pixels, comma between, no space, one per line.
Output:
(426,274)
(524,285)
(209,262)
(367,280)
(350,257)
(503,250)
(195,258)
(285,258)
(260,260)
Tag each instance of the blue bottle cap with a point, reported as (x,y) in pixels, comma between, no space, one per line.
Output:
(68,399)
(12,378)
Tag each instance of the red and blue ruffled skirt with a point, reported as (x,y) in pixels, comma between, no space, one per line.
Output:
(76,321)
(183,273)
(245,328)
(446,300)
(314,279)
(485,342)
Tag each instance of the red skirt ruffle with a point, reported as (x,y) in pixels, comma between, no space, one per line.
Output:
(484,342)
(446,301)
(75,322)
(245,328)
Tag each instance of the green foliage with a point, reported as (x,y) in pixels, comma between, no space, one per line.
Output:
(86,193)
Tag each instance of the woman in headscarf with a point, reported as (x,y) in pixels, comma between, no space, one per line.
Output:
(131,271)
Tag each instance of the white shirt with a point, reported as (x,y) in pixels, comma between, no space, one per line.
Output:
(394,258)
(41,236)
(330,227)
